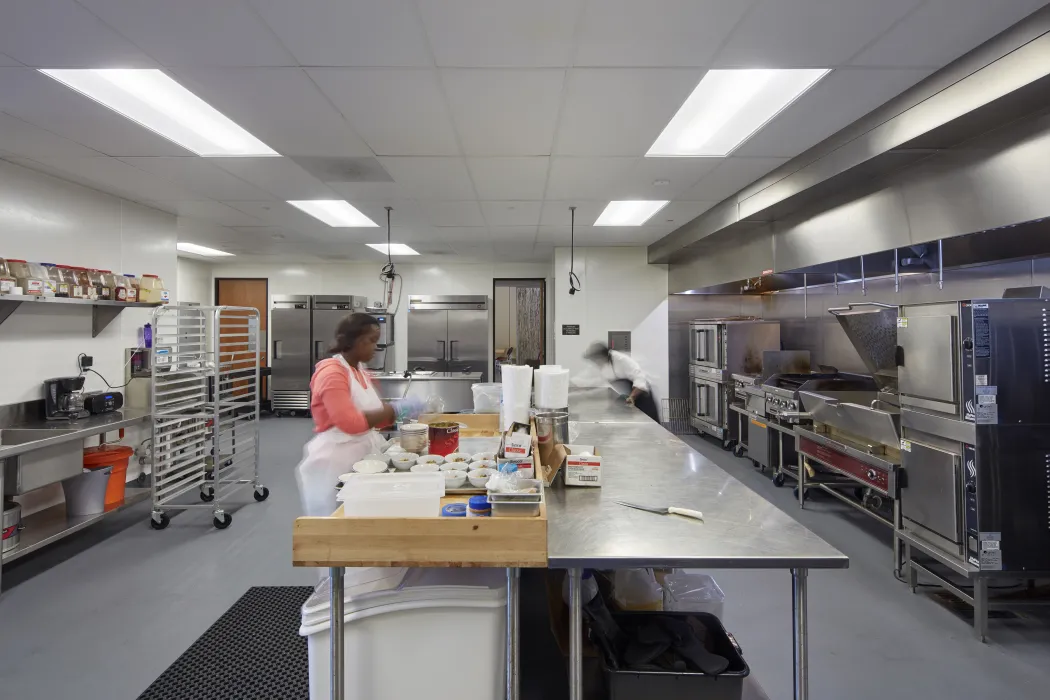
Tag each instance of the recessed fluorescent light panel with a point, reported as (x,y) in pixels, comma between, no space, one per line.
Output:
(157,102)
(728,107)
(395,248)
(202,250)
(334,212)
(631,212)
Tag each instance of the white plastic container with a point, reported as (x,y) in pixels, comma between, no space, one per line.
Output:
(396,495)
(487,397)
(396,643)
(86,493)
(689,590)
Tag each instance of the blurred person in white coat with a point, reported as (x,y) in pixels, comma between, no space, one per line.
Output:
(626,376)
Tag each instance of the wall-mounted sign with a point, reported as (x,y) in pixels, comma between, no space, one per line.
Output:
(570,329)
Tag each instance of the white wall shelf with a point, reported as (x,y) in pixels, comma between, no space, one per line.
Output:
(103,311)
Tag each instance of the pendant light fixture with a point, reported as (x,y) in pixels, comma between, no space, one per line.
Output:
(574,281)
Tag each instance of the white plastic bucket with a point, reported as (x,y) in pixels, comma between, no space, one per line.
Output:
(86,493)
(487,397)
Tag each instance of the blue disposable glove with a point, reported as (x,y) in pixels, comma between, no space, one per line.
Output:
(408,408)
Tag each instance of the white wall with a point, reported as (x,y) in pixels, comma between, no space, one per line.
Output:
(194,282)
(620,292)
(46,219)
(363,279)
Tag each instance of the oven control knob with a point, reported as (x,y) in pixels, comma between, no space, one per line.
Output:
(871,474)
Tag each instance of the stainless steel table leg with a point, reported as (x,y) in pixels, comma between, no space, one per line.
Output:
(575,634)
(513,591)
(980,608)
(897,564)
(802,483)
(912,572)
(801,635)
(338,690)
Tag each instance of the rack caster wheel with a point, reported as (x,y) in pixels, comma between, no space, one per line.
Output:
(858,493)
(738,450)
(207,495)
(222,522)
(778,480)
(159,521)
(261,494)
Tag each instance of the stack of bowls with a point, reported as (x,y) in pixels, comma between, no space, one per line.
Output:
(414,437)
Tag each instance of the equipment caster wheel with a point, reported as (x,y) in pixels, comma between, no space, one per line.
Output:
(222,522)
(738,450)
(261,494)
(755,464)
(778,480)
(858,493)
(159,521)
(140,480)
(207,495)
(727,444)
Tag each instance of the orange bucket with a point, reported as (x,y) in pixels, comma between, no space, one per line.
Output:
(115,456)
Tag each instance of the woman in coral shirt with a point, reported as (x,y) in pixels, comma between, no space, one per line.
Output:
(346,409)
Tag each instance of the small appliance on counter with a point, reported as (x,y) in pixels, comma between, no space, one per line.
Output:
(64,398)
(96,402)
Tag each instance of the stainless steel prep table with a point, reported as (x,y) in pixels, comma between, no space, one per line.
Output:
(644,463)
(602,405)
(453,388)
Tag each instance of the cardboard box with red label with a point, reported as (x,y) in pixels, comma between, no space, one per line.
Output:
(583,465)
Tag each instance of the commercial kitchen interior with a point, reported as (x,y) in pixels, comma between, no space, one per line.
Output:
(490,138)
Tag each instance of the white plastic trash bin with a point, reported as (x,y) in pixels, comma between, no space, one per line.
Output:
(86,493)
(412,642)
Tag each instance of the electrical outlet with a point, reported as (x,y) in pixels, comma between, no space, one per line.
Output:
(86,361)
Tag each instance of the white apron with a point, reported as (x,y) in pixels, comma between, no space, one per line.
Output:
(333,453)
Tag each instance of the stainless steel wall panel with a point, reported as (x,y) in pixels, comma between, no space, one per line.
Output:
(726,258)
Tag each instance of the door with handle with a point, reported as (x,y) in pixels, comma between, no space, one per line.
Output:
(290,349)
(428,339)
(706,401)
(468,336)
(705,343)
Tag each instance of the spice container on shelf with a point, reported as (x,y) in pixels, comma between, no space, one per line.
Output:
(7,280)
(151,289)
(27,278)
(106,284)
(120,287)
(51,279)
(77,287)
(66,279)
(133,288)
(84,282)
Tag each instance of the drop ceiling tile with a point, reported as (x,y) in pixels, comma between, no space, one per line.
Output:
(8,61)
(588,178)
(731,175)
(404,212)
(655,32)
(942,30)
(398,112)
(474,252)
(348,32)
(431,178)
(281,215)
(465,235)
(678,213)
(509,178)
(663,178)
(834,103)
(620,111)
(62,34)
(515,252)
(520,235)
(195,32)
(499,33)
(808,33)
(512,213)
(466,213)
(504,112)
(279,176)
(281,107)
(113,176)
(207,210)
(22,139)
(37,99)
(556,213)
(199,175)
(385,192)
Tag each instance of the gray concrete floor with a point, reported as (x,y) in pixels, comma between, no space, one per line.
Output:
(102,614)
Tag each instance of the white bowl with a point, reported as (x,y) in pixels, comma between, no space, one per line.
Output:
(453,466)
(403,461)
(430,459)
(425,468)
(377,458)
(370,466)
(484,464)
(460,457)
(480,477)
(455,478)
(483,457)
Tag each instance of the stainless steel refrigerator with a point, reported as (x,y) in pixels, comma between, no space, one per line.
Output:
(290,356)
(449,334)
(328,311)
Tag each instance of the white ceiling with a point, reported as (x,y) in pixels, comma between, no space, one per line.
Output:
(479,121)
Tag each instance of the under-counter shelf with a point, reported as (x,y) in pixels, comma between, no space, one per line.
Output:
(51,524)
(103,311)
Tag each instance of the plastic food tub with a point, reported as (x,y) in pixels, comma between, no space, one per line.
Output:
(115,456)
(397,495)
(86,492)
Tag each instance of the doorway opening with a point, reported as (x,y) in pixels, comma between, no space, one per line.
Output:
(252,293)
(519,327)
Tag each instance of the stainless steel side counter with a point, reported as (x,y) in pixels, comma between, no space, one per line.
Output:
(644,463)
(451,387)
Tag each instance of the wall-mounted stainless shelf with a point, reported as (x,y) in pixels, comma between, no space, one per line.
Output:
(102,311)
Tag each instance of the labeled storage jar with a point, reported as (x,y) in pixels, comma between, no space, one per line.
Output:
(120,287)
(83,288)
(25,278)
(152,291)
(7,280)
(52,279)
(106,283)
(133,288)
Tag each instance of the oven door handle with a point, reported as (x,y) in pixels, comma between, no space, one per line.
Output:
(701,344)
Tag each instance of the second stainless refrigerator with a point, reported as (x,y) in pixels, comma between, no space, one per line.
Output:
(448,334)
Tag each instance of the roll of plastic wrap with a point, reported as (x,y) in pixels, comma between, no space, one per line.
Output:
(517,393)
(552,387)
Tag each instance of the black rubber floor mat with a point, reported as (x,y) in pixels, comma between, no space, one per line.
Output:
(252,652)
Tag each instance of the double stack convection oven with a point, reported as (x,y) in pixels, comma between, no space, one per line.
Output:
(302,329)
(719,348)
